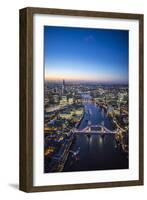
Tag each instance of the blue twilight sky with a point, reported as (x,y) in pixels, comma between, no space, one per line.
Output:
(86,54)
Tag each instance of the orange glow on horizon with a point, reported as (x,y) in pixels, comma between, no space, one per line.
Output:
(103,79)
(68,78)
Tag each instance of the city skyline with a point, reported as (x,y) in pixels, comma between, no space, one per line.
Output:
(85,54)
(86,127)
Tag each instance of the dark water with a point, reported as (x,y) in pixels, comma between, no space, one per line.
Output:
(96,152)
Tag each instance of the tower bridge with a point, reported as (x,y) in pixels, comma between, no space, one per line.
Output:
(97,129)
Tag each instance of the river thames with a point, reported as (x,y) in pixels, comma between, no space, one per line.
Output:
(95,152)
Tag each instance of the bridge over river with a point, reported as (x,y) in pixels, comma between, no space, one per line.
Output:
(96,129)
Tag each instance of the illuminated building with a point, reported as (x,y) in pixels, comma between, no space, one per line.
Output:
(63,87)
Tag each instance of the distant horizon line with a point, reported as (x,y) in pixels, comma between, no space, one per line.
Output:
(86,81)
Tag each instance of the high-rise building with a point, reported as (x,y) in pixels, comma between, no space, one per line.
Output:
(63,87)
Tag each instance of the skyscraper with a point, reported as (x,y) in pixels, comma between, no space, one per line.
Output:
(63,87)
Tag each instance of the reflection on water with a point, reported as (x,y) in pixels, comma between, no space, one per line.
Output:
(96,152)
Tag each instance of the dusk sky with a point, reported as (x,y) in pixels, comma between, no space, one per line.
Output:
(86,54)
